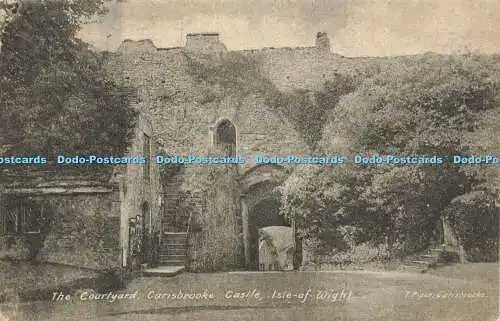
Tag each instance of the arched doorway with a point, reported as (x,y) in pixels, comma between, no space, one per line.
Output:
(260,205)
(145,233)
(263,214)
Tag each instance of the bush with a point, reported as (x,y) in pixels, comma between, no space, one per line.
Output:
(474,219)
(449,257)
(358,255)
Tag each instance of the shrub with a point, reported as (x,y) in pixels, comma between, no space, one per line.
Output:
(358,255)
(474,219)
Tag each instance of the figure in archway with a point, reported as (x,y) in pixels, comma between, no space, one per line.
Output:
(263,214)
(276,248)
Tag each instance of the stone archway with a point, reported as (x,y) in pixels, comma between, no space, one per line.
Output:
(260,206)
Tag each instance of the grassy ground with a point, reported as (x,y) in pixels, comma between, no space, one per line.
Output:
(23,281)
(381,296)
(483,272)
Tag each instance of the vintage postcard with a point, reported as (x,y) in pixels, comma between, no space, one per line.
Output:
(258,160)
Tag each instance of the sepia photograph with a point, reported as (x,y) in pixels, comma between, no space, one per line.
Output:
(249,160)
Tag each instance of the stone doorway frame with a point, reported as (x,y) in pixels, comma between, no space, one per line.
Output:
(269,175)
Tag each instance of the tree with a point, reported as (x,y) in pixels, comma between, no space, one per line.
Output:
(474,219)
(308,110)
(428,106)
(55,95)
(484,141)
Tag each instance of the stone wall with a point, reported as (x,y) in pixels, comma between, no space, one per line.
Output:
(184,94)
(143,46)
(172,99)
(292,69)
(218,244)
(204,42)
(138,192)
(82,230)
(88,221)
(323,42)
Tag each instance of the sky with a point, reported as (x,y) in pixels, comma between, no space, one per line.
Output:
(355,27)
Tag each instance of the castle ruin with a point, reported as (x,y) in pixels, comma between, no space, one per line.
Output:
(192,109)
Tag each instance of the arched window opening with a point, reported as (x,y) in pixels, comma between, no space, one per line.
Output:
(225,138)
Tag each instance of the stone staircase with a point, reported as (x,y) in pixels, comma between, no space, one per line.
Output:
(171,200)
(173,249)
(425,261)
(172,255)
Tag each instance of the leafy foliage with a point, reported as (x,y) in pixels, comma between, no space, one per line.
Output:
(432,105)
(55,97)
(308,110)
(236,74)
(484,141)
(475,219)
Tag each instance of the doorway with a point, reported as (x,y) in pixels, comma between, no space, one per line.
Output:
(145,234)
(263,214)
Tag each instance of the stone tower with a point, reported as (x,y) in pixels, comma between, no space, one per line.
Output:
(323,42)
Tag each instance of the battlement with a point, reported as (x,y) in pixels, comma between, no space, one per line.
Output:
(203,34)
(323,42)
(209,43)
(289,68)
(204,42)
(129,46)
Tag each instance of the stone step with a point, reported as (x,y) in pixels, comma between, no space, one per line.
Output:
(174,248)
(178,227)
(182,245)
(422,262)
(174,251)
(176,234)
(179,239)
(174,257)
(171,257)
(174,243)
(164,271)
(172,262)
(413,268)
(168,235)
(165,251)
(174,229)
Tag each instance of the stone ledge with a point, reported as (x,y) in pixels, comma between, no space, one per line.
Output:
(58,190)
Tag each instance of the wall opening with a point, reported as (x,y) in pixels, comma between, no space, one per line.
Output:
(21,216)
(225,138)
(263,214)
(145,233)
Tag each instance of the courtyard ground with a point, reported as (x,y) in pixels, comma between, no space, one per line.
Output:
(24,281)
(381,296)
